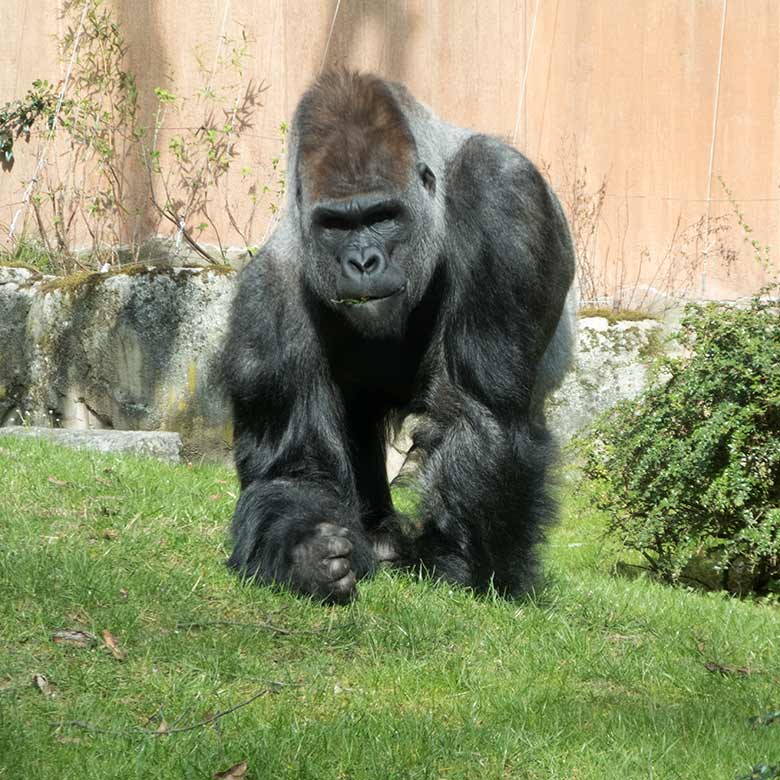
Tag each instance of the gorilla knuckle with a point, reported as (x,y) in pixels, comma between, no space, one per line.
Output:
(337,568)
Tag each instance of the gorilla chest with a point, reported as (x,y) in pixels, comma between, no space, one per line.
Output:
(389,371)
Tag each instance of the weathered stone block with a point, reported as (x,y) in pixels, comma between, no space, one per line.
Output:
(135,349)
(138,348)
(610,365)
(151,444)
(17,287)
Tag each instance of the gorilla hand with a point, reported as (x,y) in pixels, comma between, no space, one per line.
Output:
(321,564)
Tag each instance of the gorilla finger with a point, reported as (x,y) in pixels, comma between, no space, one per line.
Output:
(345,587)
(337,568)
(331,529)
(337,547)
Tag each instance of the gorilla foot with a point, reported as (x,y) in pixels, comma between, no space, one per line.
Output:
(386,549)
(322,564)
(390,545)
(451,568)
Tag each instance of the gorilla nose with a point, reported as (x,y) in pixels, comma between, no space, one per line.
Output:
(358,263)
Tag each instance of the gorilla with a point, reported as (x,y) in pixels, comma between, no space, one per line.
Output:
(419,269)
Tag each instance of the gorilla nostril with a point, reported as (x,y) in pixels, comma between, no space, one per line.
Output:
(371,263)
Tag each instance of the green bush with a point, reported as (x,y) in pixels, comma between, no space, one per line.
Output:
(689,473)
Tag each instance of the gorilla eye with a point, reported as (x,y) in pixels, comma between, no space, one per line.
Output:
(382,216)
(333,222)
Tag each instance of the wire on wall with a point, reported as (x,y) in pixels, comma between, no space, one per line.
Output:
(330,35)
(706,252)
(521,96)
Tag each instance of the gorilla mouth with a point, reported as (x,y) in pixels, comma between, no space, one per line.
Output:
(363,299)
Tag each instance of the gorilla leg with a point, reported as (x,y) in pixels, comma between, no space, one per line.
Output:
(486,503)
(380,521)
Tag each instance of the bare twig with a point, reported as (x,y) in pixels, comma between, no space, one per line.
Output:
(212,623)
(95,729)
(171,217)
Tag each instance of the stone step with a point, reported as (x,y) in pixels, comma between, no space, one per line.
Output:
(162,445)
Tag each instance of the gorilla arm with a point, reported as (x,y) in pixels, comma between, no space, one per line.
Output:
(297,520)
(486,504)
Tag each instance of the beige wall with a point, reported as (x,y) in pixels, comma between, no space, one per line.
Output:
(627,87)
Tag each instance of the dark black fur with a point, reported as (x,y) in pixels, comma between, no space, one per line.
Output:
(470,343)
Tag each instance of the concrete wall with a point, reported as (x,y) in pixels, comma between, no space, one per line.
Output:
(640,92)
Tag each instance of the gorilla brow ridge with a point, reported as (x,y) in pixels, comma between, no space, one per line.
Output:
(352,133)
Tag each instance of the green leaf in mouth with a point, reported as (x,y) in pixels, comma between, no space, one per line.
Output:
(351,301)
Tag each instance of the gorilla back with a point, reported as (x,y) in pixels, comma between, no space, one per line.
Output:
(421,269)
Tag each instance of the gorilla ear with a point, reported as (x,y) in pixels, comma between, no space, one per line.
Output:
(427,176)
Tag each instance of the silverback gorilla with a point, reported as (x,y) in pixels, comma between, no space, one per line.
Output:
(419,269)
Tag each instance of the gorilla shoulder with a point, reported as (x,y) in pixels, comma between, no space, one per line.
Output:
(488,174)
(269,330)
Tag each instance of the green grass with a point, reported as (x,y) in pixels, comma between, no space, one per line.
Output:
(30,254)
(598,676)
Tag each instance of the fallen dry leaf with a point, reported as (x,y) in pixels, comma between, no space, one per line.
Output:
(57,482)
(727,669)
(110,534)
(162,728)
(123,594)
(215,496)
(41,682)
(236,772)
(111,644)
(56,512)
(70,636)
(64,740)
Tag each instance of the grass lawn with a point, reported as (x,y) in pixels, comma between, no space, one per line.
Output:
(598,676)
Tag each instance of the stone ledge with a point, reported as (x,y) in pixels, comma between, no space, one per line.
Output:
(162,445)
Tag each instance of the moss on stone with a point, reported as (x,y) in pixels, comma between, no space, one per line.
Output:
(201,438)
(653,347)
(72,283)
(25,266)
(612,316)
(86,279)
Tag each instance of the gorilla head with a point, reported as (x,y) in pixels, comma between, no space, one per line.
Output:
(366,202)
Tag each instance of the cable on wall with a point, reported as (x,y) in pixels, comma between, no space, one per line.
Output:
(706,252)
(330,35)
(521,96)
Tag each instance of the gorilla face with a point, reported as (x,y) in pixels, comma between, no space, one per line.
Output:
(367,256)
(361,234)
